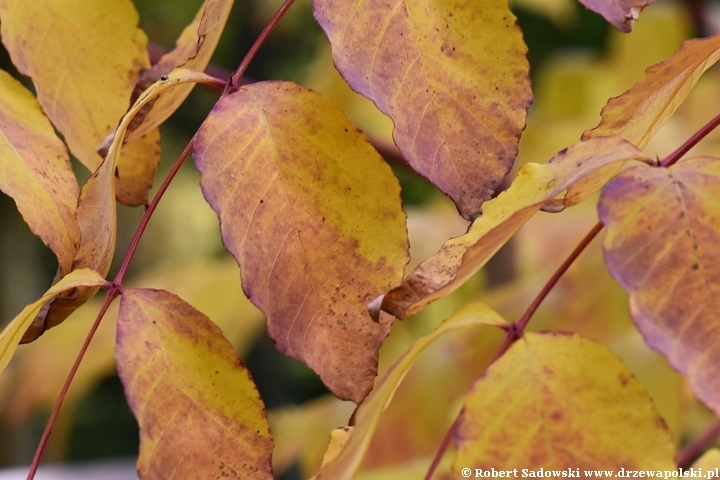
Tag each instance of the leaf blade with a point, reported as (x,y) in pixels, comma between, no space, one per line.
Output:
(192,396)
(299,211)
(433,68)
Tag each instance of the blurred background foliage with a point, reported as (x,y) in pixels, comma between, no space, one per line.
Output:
(577,62)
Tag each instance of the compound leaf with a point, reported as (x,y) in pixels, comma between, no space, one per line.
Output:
(35,171)
(199,411)
(453,76)
(536,185)
(559,401)
(313,216)
(663,232)
(84,59)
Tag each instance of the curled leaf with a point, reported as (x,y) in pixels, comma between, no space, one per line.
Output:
(535,186)
(621,14)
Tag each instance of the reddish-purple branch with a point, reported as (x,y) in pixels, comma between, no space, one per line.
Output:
(693,449)
(111,294)
(691,142)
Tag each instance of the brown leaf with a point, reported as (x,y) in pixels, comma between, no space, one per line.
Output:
(313,216)
(84,59)
(621,14)
(639,113)
(534,186)
(136,168)
(453,76)
(199,411)
(36,171)
(662,247)
(558,401)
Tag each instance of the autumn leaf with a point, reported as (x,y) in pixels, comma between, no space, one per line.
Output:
(10,336)
(639,113)
(96,213)
(535,186)
(84,59)
(348,447)
(199,411)
(663,228)
(193,50)
(35,171)
(453,76)
(621,14)
(558,401)
(136,168)
(312,215)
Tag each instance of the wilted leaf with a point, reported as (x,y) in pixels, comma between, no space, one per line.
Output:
(84,59)
(534,186)
(558,401)
(35,171)
(345,463)
(199,412)
(193,50)
(453,76)
(96,213)
(136,168)
(662,247)
(10,336)
(313,216)
(639,113)
(622,14)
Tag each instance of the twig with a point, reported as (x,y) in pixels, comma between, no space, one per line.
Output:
(692,450)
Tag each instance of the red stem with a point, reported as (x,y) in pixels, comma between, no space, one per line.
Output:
(691,142)
(237,76)
(693,449)
(115,288)
(111,294)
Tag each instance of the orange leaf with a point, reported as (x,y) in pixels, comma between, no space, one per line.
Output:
(557,401)
(35,171)
(639,113)
(534,186)
(84,59)
(193,50)
(136,168)
(621,14)
(96,213)
(199,411)
(662,247)
(313,216)
(453,76)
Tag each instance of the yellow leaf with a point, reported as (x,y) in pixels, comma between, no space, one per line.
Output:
(96,212)
(313,216)
(622,14)
(534,186)
(13,332)
(663,232)
(433,68)
(345,463)
(639,113)
(35,171)
(84,59)
(558,401)
(199,412)
(193,50)
(136,168)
